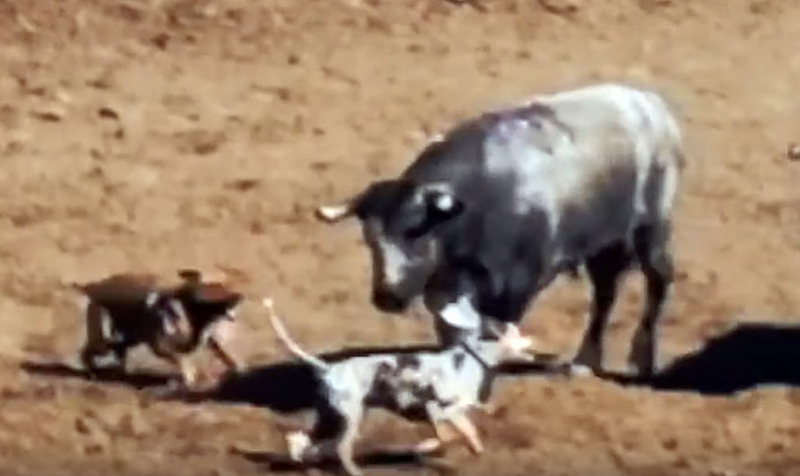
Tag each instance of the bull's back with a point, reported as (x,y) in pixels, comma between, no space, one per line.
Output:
(641,116)
(588,158)
(617,169)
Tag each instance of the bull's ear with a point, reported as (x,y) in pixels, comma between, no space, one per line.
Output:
(441,203)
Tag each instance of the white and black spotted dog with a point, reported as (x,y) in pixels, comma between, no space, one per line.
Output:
(438,386)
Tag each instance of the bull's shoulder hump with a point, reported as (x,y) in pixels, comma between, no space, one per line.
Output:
(452,155)
(629,105)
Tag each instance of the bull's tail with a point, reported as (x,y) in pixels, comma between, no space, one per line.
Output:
(295,349)
(673,135)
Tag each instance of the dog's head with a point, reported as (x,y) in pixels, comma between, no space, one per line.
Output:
(171,313)
(208,302)
(513,344)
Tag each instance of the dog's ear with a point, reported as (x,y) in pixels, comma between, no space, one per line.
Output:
(216,293)
(190,275)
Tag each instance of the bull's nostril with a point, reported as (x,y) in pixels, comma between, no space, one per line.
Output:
(387,301)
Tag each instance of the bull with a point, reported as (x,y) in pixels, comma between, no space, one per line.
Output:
(492,211)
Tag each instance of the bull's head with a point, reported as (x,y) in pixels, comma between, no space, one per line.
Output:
(399,220)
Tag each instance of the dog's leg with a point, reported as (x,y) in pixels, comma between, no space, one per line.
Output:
(120,350)
(161,346)
(223,355)
(488,408)
(344,446)
(188,371)
(298,444)
(301,449)
(96,343)
(346,416)
(468,430)
(444,435)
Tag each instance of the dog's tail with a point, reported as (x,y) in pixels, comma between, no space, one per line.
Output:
(288,342)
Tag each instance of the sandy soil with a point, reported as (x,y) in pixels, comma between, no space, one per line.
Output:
(155,134)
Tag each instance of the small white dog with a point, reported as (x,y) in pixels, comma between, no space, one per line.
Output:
(439,385)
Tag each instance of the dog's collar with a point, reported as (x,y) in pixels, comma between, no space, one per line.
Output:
(471,351)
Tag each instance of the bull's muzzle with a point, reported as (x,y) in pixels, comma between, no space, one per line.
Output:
(389,301)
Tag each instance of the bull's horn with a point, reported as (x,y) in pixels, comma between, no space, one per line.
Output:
(333,213)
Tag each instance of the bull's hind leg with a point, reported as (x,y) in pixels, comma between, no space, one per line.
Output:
(651,245)
(604,270)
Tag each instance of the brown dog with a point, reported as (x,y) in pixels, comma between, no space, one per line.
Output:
(126,310)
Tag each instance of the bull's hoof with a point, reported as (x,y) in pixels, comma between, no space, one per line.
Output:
(641,361)
(641,370)
(589,359)
(581,370)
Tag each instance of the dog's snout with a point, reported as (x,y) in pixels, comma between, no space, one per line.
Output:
(388,301)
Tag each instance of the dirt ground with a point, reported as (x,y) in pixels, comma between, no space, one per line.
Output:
(151,135)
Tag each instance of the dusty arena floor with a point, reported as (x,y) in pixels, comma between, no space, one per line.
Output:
(156,134)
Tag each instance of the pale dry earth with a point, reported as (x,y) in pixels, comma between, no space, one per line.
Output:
(152,135)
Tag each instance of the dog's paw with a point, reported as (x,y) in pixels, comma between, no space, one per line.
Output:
(430,447)
(297,442)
